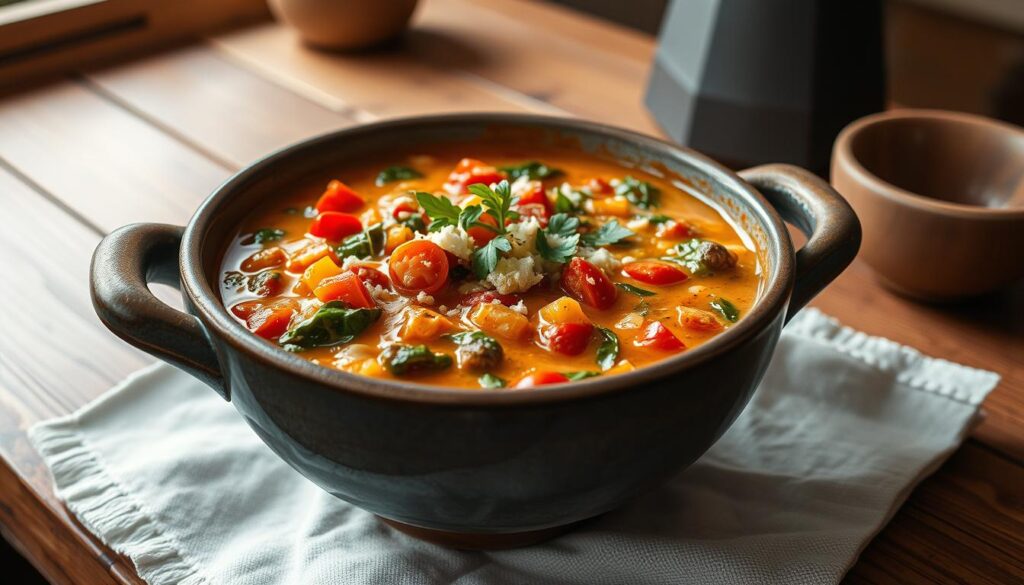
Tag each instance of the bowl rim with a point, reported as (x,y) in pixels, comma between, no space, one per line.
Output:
(844,157)
(208,307)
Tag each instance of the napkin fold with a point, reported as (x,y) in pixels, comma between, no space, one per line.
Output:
(841,429)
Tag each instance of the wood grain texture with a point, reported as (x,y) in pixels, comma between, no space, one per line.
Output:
(223,110)
(146,141)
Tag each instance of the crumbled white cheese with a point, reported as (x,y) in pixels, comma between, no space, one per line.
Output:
(630,321)
(454,312)
(522,185)
(424,299)
(523,236)
(512,275)
(628,259)
(601,258)
(520,307)
(454,239)
(350,261)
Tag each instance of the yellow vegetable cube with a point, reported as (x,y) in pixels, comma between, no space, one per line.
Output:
(563,310)
(318,271)
(424,325)
(397,235)
(617,206)
(621,367)
(501,321)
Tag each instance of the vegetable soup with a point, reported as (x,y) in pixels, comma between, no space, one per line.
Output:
(512,268)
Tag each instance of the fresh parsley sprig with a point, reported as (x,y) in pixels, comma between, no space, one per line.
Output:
(607,234)
(563,227)
(443,212)
(640,193)
(485,258)
(498,202)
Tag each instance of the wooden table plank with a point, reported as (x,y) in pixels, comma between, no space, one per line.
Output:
(111,167)
(218,108)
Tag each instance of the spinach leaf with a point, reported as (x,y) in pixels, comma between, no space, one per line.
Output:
(265,235)
(607,234)
(362,245)
(574,376)
(608,351)
(397,173)
(489,380)
(640,193)
(414,222)
(409,359)
(635,290)
(563,227)
(726,309)
(332,324)
(656,219)
(485,258)
(533,169)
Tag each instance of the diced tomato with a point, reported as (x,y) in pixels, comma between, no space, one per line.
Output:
(535,195)
(540,379)
(588,284)
(482,235)
(658,336)
(599,186)
(566,338)
(488,296)
(470,171)
(345,287)
(335,225)
(654,272)
(674,230)
(339,197)
(537,210)
(371,276)
(268,320)
(419,265)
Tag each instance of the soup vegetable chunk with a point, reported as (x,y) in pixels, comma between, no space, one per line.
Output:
(515,269)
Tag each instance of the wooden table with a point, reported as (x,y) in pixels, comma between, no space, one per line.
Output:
(148,139)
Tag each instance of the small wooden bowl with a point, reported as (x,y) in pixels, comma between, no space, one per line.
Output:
(345,24)
(940,196)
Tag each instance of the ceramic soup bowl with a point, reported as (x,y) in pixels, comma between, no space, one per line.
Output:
(475,468)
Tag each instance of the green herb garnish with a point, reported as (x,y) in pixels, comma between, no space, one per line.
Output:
(485,258)
(607,234)
(690,255)
(408,359)
(635,290)
(567,199)
(726,309)
(656,219)
(608,351)
(366,244)
(563,227)
(576,376)
(333,323)
(497,201)
(489,380)
(640,193)
(265,235)
(533,169)
(414,222)
(441,210)
(397,173)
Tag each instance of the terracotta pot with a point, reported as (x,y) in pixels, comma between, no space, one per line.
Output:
(941,198)
(467,468)
(345,24)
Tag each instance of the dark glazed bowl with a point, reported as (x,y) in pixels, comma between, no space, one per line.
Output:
(467,468)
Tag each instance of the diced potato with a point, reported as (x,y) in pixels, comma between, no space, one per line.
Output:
(500,321)
(617,206)
(424,325)
(630,321)
(306,256)
(318,271)
(397,235)
(563,310)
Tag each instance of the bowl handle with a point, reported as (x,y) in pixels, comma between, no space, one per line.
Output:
(828,221)
(122,266)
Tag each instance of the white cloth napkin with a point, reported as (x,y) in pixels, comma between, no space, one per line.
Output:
(842,428)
